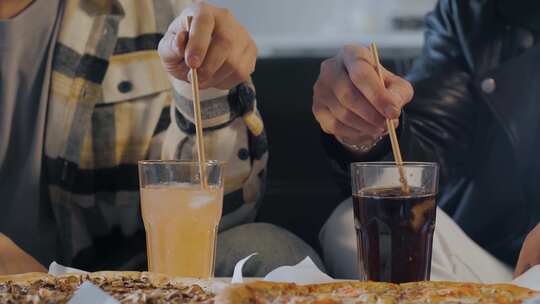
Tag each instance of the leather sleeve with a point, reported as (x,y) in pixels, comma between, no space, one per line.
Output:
(438,125)
(440,122)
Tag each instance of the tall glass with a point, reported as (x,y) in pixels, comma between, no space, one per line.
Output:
(181,217)
(394,228)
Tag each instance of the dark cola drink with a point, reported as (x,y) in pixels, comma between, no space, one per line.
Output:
(395,234)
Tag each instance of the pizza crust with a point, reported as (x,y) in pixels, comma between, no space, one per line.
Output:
(157,279)
(373,292)
(235,294)
(377,287)
(436,292)
(26,278)
(114,275)
(245,293)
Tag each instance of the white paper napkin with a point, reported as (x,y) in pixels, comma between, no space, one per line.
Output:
(530,279)
(89,293)
(56,269)
(305,272)
(533,301)
(238,268)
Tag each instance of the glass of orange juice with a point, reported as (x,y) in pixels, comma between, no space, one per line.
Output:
(181,216)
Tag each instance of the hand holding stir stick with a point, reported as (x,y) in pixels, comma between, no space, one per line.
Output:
(198,119)
(390,126)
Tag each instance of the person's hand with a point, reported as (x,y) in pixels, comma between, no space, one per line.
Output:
(14,260)
(530,252)
(350,102)
(218,46)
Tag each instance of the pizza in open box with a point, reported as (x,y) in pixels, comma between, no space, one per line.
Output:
(143,287)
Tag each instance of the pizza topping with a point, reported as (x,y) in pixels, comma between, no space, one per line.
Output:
(123,289)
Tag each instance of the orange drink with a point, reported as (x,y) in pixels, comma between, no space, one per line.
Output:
(181,217)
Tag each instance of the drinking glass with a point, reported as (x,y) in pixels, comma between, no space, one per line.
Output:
(394,225)
(181,216)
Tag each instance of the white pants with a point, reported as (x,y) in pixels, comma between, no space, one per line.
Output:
(455,256)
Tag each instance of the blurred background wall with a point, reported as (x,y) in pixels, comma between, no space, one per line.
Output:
(293,37)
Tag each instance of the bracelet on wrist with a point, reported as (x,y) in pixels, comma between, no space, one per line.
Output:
(363,147)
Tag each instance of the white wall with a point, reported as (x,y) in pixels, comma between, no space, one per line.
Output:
(304,27)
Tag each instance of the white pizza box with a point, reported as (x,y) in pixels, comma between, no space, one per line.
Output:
(305,272)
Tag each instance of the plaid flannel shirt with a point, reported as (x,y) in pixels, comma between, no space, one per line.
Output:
(111,104)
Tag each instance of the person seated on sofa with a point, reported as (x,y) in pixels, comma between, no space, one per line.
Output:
(84,96)
(470,103)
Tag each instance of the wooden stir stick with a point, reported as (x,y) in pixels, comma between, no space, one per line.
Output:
(390,126)
(198,119)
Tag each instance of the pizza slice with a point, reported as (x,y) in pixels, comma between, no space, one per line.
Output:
(340,292)
(375,293)
(455,292)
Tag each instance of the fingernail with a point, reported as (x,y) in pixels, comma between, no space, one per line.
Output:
(175,45)
(391,112)
(396,98)
(194,60)
(182,36)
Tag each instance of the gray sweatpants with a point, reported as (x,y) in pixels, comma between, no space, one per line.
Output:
(275,247)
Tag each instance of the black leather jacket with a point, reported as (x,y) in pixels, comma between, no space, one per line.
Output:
(476,112)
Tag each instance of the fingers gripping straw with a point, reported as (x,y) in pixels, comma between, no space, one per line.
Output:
(390,126)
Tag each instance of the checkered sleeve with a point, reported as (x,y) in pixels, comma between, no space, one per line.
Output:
(218,107)
(233,133)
